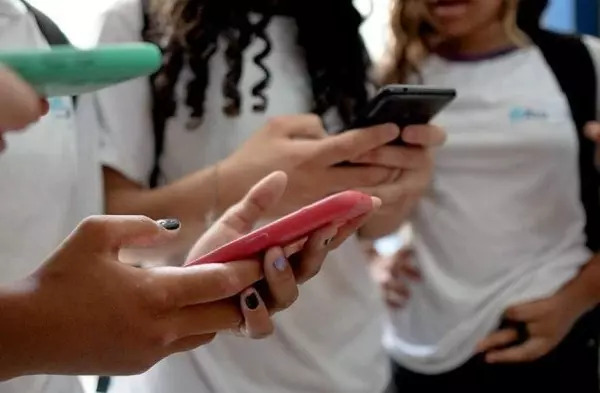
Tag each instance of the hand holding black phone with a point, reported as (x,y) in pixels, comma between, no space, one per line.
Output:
(403,105)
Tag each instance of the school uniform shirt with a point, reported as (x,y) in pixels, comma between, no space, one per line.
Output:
(504,222)
(330,340)
(41,197)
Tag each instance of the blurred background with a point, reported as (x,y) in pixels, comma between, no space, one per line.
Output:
(79,19)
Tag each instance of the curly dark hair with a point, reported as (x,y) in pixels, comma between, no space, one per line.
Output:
(328,32)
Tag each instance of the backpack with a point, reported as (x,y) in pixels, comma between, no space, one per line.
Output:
(51,32)
(562,52)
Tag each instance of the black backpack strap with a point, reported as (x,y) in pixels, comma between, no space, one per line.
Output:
(49,29)
(51,32)
(159,117)
(574,68)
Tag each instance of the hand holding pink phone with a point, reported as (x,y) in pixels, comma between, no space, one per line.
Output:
(336,209)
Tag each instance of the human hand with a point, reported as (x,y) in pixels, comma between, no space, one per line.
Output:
(592,131)
(412,166)
(392,274)
(299,146)
(284,269)
(19,104)
(546,323)
(87,313)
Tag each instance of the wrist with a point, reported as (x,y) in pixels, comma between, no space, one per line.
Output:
(20,355)
(585,288)
(231,185)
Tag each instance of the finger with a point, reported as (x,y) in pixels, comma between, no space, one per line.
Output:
(592,131)
(412,183)
(189,343)
(207,318)
(501,338)
(257,321)
(295,247)
(411,272)
(404,157)
(349,145)
(349,229)
(531,350)
(262,197)
(19,103)
(402,265)
(324,240)
(281,282)
(344,178)
(528,312)
(424,135)
(396,286)
(111,233)
(309,262)
(208,282)
(395,300)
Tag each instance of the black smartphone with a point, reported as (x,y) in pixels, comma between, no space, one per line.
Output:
(404,105)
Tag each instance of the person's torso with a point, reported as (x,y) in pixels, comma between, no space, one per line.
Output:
(39,189)
(503,222)
(329,340)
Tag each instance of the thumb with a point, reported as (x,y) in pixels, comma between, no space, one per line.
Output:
(262,197)
(111,233)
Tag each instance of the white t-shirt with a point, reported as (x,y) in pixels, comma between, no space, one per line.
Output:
(329,341)
(504,222)
(46,186)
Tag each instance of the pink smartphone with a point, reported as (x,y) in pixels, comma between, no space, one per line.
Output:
(336,209)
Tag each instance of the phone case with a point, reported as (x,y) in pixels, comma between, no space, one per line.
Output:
(404,105)
(67,71)
(336,209)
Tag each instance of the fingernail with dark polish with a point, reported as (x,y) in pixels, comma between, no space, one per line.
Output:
(280,264)
(170,224)
(252,301)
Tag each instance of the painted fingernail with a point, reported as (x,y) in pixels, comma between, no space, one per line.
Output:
(252,301)
(280,264)
(170,224)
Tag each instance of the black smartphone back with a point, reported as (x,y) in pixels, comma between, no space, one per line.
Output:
(404,105)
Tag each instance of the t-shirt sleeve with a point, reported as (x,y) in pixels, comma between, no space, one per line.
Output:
(593,44)
(122,112)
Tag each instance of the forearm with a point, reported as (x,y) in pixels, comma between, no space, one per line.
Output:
(185,200)
(194,200)
(586,286)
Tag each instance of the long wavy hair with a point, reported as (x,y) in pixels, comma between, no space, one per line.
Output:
(413,37)
(190,32)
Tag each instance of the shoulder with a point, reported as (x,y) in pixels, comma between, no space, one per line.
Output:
(122,21)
